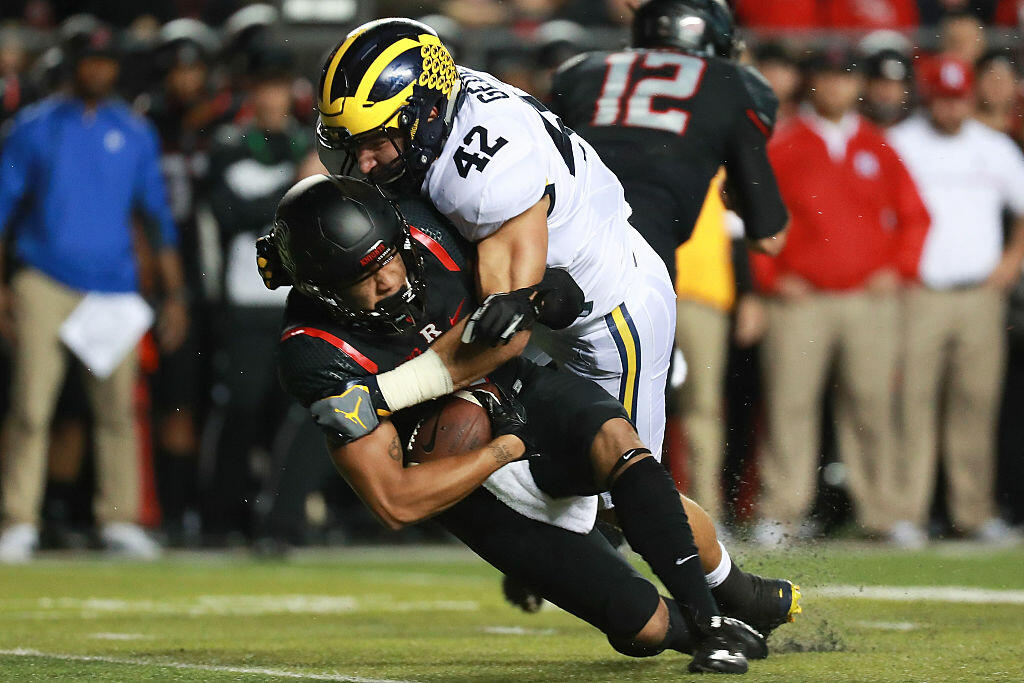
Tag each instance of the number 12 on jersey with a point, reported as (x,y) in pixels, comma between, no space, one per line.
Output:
(628,100)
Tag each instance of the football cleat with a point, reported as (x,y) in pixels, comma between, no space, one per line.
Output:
(521,595)
(777,602)
(725,647)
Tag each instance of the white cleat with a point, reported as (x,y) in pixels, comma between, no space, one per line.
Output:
(907,535)
(996,532)
(17,543)
(129,541)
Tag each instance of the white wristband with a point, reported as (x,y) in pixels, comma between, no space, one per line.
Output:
(421,379)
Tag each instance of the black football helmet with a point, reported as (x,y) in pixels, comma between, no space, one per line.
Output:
(702,27)
(330,233)
(387,77)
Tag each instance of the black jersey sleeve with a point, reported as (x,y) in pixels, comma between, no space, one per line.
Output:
(422,215)
(762,99)
(750,179)
(310,368)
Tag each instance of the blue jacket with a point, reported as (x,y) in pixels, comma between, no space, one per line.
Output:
(69,184)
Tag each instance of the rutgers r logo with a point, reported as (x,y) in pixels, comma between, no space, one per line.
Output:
(430,332)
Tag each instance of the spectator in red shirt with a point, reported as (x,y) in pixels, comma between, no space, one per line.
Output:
(857,229)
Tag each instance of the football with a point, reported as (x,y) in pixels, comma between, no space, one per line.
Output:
(458,424)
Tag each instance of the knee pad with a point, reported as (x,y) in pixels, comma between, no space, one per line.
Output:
(631,604)
(626,646)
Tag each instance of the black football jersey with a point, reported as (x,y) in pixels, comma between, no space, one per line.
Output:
(665,121)
(318,354)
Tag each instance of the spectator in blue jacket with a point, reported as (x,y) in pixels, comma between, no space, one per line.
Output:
(75,170)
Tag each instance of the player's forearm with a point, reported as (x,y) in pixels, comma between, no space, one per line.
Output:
(468,363)
(516,255)
(447,366)
(425,490)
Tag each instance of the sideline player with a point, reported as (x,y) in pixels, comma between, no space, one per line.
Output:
(358,309)
(527,190)
(668,113)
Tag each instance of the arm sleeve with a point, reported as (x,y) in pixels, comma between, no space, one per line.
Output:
(15,167)
(752,185)
(151,193)
(912,218)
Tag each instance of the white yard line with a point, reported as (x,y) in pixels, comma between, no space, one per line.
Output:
(238,605)
(517,631)
(916,593)
(888,625)
(245,670)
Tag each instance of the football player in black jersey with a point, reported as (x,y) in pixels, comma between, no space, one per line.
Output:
(666,114)
(370,291)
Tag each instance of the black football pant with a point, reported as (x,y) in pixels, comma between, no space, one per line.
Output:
(581,573)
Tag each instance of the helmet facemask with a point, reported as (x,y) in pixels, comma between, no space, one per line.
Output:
(393,314)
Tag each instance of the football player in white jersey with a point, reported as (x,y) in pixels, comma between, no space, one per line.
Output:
(531,195)
(529,192)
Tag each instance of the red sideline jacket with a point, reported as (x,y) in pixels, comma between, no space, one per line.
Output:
(849,218)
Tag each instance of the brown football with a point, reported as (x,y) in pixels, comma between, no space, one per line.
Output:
(459,424)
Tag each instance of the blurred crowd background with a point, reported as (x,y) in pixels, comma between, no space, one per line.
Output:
(196,443)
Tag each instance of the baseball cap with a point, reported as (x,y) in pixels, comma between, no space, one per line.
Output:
(946,76)
(834,58)
(890,65)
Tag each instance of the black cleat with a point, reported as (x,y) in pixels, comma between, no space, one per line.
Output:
(521,595)
(776,602)
(726,646)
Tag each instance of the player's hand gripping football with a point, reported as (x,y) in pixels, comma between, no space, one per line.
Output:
(508,417)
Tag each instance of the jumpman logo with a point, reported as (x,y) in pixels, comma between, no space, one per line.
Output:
(354,414)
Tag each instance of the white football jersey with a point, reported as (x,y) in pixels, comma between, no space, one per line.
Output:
(504,154)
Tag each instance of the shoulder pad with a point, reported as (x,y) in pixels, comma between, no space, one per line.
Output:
(348,415)
(766,104)
(422,215)
(310,367)
(480,191)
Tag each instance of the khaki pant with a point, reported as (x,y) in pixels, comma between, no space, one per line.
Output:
(858,333)
(702,334)
(954,349)
(40,362)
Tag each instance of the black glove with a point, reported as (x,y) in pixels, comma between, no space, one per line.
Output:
(500,317)
(559,300)
(508,416)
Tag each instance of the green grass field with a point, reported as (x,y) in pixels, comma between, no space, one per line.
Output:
(435,614)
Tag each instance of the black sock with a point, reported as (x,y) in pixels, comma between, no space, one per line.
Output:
(735,593)
(678,637)
(655,525)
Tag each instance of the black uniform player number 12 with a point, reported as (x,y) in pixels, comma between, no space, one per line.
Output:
(637,98)
(466,161)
